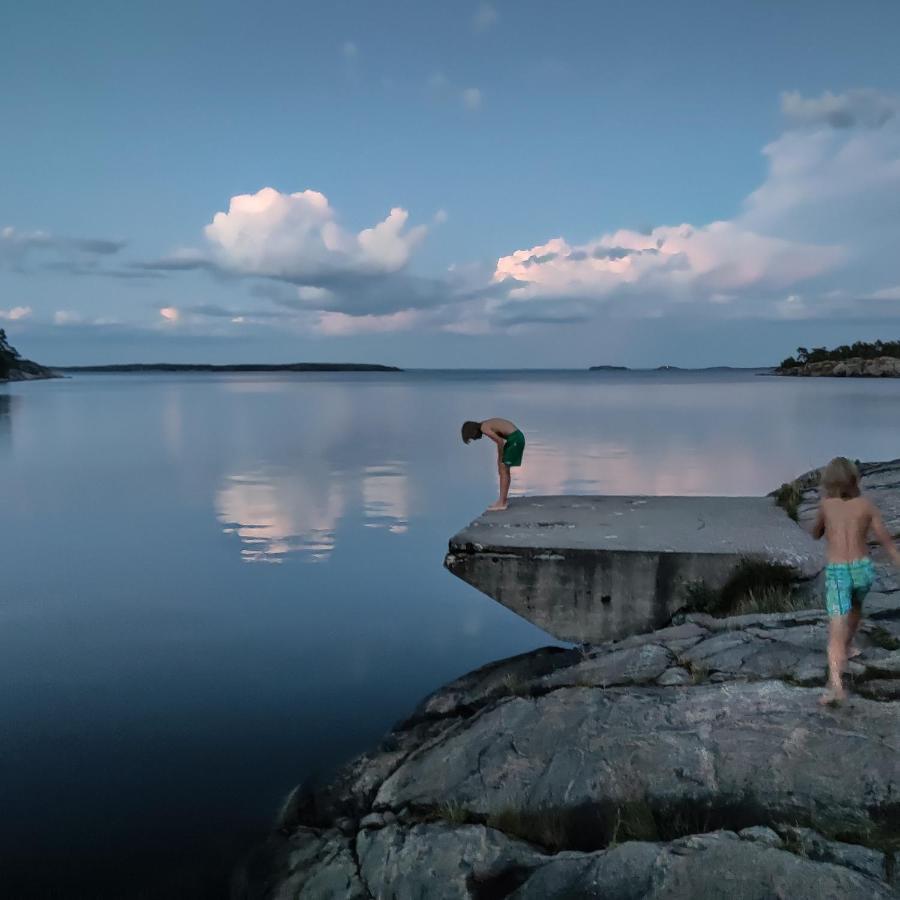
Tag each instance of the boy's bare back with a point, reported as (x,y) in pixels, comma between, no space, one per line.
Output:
(845,525)
(501,427)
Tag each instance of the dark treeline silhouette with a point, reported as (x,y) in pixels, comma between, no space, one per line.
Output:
(859,350)
(8,355)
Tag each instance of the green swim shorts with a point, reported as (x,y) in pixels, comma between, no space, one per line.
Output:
(846,585)
(513,449)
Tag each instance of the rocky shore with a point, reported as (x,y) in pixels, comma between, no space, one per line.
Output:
(26,370)
(880,367)
(691,761)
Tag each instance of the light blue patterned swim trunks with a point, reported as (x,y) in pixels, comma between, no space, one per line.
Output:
(846,585)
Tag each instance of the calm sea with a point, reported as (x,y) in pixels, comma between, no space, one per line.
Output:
(212,587)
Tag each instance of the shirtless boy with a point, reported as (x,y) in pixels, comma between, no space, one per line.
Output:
(845,518)
(510,447)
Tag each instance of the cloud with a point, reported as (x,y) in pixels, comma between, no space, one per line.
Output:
(15,314)
(813,240)
(471,98)
(17,247)
(170,313)
(485,17)
(338,324)
(862,107)
(296,238)
(804,243)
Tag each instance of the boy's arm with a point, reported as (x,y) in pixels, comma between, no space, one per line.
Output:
(498,439)
(882,535)
(818,529)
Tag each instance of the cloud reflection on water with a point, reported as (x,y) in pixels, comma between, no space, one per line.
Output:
(278,514)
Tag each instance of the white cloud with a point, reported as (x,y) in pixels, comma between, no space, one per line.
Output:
(296,237)
(471,98)
(170,313)
(15,314)
(821,220)
(670,263)
(486,16)
(814,239)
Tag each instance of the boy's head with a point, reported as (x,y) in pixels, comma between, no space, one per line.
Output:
(471,431)
(841,479)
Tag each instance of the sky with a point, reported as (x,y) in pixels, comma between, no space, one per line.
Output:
(425,184)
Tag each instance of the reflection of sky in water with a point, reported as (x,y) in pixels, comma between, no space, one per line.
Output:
(276,515)
(385,493)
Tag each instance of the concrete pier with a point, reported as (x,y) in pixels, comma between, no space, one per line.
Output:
(589,569)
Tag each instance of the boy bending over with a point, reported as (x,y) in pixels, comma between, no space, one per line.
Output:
(510,447)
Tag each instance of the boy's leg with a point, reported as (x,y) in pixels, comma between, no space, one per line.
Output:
(837,658)
(853,619)
(503,500)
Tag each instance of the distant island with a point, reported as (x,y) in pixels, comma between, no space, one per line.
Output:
(14,368)
(608,369)
(878,359)
(237,367)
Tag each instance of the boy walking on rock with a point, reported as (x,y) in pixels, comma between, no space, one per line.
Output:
(845,519)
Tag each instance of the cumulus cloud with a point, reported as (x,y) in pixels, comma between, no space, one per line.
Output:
(296,238)
(814,239)
(672,263)
(15,314)
(820,220)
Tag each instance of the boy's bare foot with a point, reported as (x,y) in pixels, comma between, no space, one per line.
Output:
(853,652)
(831,697)
(497,507)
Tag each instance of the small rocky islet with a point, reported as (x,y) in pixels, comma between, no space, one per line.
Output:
(862,359)
(14,368)
(691,761)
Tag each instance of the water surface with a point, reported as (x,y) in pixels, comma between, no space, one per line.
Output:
(214,586)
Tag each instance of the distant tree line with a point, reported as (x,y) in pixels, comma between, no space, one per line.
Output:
(8,355)
(861,349)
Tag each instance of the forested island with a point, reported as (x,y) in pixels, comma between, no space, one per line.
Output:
(862,359)
(236,367)
(14,368)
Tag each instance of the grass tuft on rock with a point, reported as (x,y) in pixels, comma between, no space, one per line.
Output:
(755,586)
